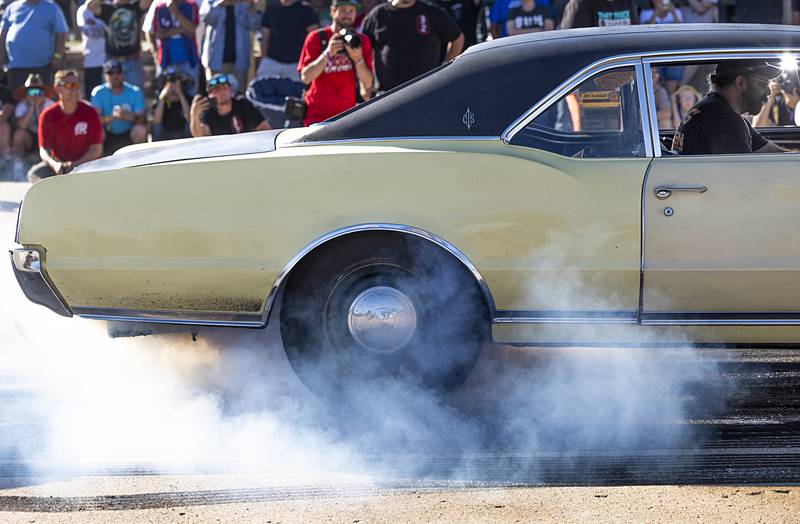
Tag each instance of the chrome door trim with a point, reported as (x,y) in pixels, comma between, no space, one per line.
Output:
(566,317)
(358,228)
(652,123)
(650,142)
(779,318)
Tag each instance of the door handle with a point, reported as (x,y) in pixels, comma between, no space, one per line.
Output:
(664,192)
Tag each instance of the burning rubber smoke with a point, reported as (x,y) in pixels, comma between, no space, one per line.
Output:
(76,399)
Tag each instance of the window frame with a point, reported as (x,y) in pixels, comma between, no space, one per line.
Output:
(579,79)
(576,82)
(642,63)
(655,61)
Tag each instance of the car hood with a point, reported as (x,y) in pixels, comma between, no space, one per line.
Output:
(185,149)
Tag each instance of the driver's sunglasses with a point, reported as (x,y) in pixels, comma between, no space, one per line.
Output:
(217,81)
(70,85)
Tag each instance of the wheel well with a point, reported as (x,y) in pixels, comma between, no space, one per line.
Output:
(413,241)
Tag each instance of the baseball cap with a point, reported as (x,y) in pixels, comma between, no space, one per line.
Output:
(112,65)
(337,3)
(757,69)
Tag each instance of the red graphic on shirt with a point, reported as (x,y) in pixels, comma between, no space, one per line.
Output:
(423,27)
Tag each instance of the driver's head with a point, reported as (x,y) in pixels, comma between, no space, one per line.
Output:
(747,80)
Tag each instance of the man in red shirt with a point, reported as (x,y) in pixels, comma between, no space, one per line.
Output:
(333,67)
(70,133)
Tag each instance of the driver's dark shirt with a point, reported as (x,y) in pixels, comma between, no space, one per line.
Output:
(712,127)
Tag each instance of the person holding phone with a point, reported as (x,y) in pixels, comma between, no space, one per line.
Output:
(222,112)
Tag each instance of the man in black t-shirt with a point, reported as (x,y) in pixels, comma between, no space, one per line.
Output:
(715,125)
(408,37)
(284,27)
(599,13)
(764,11)
(529,17)
(122,19)
(222,113)
(465,13)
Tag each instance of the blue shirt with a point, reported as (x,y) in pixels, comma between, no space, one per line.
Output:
(130,99)
(214,16)
(31,33)
(499,11)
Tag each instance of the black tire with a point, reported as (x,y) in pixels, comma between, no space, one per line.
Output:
(453,319)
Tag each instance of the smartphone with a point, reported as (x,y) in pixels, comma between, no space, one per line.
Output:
(212,104)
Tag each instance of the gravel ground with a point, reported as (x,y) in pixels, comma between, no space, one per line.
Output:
(598,504)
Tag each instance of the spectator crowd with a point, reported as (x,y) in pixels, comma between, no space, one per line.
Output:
(227,66)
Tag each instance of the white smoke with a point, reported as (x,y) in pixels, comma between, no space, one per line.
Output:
(230,398)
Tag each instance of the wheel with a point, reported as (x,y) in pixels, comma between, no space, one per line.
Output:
(374,305)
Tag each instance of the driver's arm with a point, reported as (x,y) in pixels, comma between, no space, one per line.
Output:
(771,147)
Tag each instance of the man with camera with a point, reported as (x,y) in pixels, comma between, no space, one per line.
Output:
(336,64)
(171,111)
(222,113)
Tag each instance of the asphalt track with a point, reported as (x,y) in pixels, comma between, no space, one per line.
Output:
(754,439)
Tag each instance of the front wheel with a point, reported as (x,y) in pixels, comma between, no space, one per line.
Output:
(374,306)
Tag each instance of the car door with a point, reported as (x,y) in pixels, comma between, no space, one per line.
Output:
(721,243)
(721,239)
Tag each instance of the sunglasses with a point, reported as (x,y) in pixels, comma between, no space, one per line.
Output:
(218,81)
(34,91)
(114,72)
(70,85)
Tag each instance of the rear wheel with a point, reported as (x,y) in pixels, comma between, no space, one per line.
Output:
(374,305)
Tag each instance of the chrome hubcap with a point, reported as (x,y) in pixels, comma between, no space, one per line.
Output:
(382,319)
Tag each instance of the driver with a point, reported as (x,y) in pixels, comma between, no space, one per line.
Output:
(715,125)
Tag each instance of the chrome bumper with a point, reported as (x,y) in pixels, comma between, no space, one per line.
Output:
(27,266)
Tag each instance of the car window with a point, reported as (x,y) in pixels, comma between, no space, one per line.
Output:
(601,118)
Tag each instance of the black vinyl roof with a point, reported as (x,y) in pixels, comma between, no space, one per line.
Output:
(498,81)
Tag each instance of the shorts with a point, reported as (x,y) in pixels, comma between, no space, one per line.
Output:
(113,143)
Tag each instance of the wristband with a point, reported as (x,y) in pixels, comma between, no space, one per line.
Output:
(360,62)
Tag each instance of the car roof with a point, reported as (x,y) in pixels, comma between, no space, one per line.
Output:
(494,83)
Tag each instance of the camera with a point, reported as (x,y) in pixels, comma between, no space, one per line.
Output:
(294,108)
(350,38)
(789,82)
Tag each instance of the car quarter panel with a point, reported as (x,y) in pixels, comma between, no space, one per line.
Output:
(546,232)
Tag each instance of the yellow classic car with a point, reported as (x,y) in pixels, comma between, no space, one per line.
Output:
(522,193)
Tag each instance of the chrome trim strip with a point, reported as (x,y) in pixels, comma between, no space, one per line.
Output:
(394,139)
(778,318)
(171,317)
(400,228)
(566,317)
(630,59)
(644,110)
(652,123)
